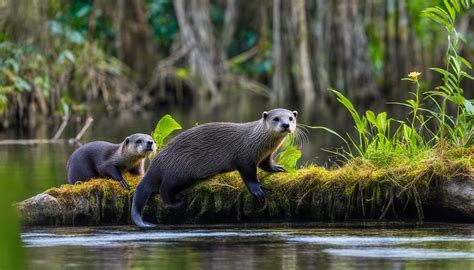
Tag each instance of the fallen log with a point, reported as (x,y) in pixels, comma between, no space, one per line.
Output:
(428,189)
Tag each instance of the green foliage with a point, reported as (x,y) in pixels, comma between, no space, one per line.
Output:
(163,22)
(12,80)
(457,128)
(290,155)
(163,129)
(380,138)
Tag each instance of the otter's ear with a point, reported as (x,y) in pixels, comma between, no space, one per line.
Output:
(264,115)
(295,113)
(127,140)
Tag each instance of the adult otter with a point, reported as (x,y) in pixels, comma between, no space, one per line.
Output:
(207,150)
(104,159)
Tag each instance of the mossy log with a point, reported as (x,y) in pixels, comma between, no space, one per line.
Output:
(438,187)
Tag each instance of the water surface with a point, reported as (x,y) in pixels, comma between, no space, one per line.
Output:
(252,246)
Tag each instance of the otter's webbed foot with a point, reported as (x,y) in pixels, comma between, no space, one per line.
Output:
(146,225)
(278,168)
(270,166)
(124,184)
(259,192)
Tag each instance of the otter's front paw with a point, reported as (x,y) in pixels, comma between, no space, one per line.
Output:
(279,168)
(124,184)
(258,191)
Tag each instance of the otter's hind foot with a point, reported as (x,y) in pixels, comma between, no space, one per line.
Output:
(147,225)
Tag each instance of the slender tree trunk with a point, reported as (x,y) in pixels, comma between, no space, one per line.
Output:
(277,57)
(304,57)
(196,32)
(320,57)
(230,19)
(134,39)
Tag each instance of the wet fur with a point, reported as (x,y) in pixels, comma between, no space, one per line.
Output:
(207,150)
(103,159)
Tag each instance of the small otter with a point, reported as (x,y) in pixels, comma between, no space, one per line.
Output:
(209,149)
(104,159)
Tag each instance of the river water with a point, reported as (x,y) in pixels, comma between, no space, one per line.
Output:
(250,246)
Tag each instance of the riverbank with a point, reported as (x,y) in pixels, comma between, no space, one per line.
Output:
(440,186)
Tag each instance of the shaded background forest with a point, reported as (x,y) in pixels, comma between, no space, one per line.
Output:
(69,57)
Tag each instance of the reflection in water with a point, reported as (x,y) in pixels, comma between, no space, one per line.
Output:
(401,253)
(267,246)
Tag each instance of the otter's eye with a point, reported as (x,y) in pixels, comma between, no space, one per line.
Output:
(291,118)
(139,141)
(276,119)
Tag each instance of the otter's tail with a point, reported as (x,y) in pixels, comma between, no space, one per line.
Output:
(142,193)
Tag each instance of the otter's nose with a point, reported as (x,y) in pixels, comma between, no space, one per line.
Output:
(285,125)
(149,143)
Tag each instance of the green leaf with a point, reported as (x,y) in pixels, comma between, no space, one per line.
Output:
(371,117)
(444,72)
(440,16)
(468,104)
(289,157)
(182,73)
(456,64)
(21,84)
(163,129)
(382,122)
(451,11)
(13,64)
(65,108)
(456,5)
(465,62)
(464,74)
(66,55)
(457,99)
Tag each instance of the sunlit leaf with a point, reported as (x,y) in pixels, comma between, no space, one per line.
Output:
(163,129)
(289,157)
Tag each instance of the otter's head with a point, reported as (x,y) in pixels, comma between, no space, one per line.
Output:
(280,121)
(140,144)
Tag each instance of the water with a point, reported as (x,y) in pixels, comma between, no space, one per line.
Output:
(252,246)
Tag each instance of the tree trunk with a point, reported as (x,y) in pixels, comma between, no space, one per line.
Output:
(277,55)
(196,32)
(134,39)
(304,56)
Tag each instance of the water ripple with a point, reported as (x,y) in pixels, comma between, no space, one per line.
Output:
(400,253)
(116,239)
(374,241)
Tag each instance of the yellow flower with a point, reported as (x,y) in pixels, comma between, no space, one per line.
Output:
(414,75)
